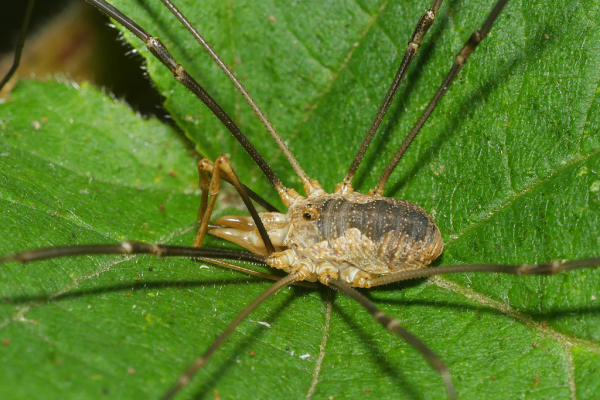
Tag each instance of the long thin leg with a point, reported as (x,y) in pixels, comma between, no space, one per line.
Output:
(20,44)
(199,362)
(225,264)
(308,184)
(393,325)
(459,62)
(223,165)
(158,49)
(414,43)
(159,250)
(550,268)
(254,196)
(203,218)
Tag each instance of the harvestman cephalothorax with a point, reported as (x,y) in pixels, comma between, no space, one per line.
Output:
(580,172)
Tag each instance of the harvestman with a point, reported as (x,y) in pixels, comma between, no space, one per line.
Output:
(342,239)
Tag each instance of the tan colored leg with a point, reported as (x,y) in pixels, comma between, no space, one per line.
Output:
(222,165)
(203,216)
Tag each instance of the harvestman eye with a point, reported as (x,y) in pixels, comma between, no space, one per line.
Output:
(359,241)
(310,213)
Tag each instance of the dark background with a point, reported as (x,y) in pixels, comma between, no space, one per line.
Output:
(91,50)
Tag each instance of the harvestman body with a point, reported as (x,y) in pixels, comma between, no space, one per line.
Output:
(342,239)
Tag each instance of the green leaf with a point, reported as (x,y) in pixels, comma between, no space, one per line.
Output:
(509,166)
